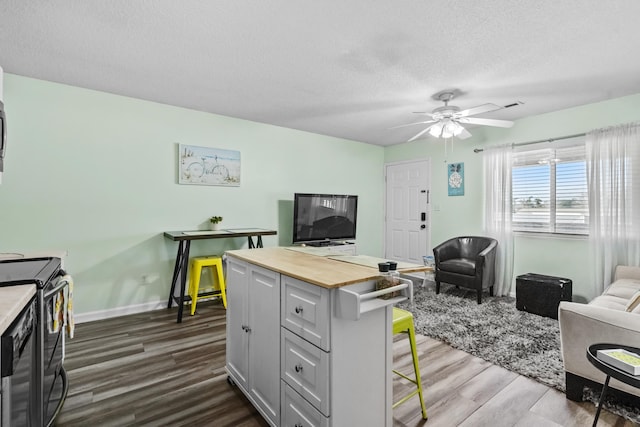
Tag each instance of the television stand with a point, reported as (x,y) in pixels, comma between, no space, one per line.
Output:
(340,247)
(323,243)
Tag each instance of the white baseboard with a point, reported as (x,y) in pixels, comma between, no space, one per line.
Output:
(148,306)
(119,311)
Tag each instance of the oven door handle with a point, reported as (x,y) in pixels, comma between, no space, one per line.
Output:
(61,284)
(63,398)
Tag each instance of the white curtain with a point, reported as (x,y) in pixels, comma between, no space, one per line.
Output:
(613,179)
(497,162)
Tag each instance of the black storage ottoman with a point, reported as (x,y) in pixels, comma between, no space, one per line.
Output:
(540,294)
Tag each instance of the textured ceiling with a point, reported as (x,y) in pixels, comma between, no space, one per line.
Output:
(345,68)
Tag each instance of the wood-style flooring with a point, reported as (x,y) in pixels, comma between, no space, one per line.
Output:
(145,369)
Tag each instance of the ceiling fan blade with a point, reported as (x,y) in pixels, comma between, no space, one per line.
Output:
(485,108)
(420,133)
(411,124)
(464,134)
(486,122)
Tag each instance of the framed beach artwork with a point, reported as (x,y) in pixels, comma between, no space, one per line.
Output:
(208,166)
(455,179)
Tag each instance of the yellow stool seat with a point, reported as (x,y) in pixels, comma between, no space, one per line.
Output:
(403,323)
(219,288)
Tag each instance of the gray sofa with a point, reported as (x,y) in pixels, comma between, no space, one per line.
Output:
(608,318)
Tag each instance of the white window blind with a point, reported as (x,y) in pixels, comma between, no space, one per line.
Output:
(549,188)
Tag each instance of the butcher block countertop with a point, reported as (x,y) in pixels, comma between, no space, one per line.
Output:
(318,270)
(12,301)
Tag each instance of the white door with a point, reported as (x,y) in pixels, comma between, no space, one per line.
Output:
(408,211)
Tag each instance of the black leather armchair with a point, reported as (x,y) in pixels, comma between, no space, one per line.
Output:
(468,262)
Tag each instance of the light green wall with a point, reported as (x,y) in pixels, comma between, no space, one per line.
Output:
(95,174)
(562,256)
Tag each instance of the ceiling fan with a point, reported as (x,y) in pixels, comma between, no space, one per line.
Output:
(447,120)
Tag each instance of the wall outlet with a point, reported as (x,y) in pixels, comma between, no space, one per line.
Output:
(147,279)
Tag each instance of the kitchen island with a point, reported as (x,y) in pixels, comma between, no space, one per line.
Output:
(309,338)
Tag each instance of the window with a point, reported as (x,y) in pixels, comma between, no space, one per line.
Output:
(549,188)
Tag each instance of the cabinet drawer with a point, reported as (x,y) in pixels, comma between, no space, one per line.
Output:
(297,412)
(306,311)
(305,368)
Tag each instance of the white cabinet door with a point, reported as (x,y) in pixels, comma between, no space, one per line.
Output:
(237,337)
(264,340)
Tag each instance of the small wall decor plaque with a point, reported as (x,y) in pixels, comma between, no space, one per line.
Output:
(455,182)
(208,166)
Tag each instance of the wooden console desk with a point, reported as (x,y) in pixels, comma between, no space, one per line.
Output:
(184,239)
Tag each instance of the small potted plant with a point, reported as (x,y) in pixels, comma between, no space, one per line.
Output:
(214,222)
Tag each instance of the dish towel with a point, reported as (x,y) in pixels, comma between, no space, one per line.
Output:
(71,326)
(56,319)
(61,314)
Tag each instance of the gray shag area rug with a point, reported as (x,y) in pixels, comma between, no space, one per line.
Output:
(499,333)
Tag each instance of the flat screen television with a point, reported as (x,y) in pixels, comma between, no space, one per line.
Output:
(324,217)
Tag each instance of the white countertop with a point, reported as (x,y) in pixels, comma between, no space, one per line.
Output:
(12,301)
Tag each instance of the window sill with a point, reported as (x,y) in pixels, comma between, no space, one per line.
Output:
(549,235)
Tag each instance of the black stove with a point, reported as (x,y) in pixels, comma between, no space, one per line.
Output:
(51,385)
(38,271)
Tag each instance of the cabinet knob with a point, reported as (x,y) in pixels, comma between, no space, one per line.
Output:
(298,310)
(298,368)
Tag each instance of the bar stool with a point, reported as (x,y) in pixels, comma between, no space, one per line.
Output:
(219,289)
(403,323)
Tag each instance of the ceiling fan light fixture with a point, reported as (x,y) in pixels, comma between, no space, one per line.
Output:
(436,130)
(455,128)
(446,133)
(447,120)
(449,129)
